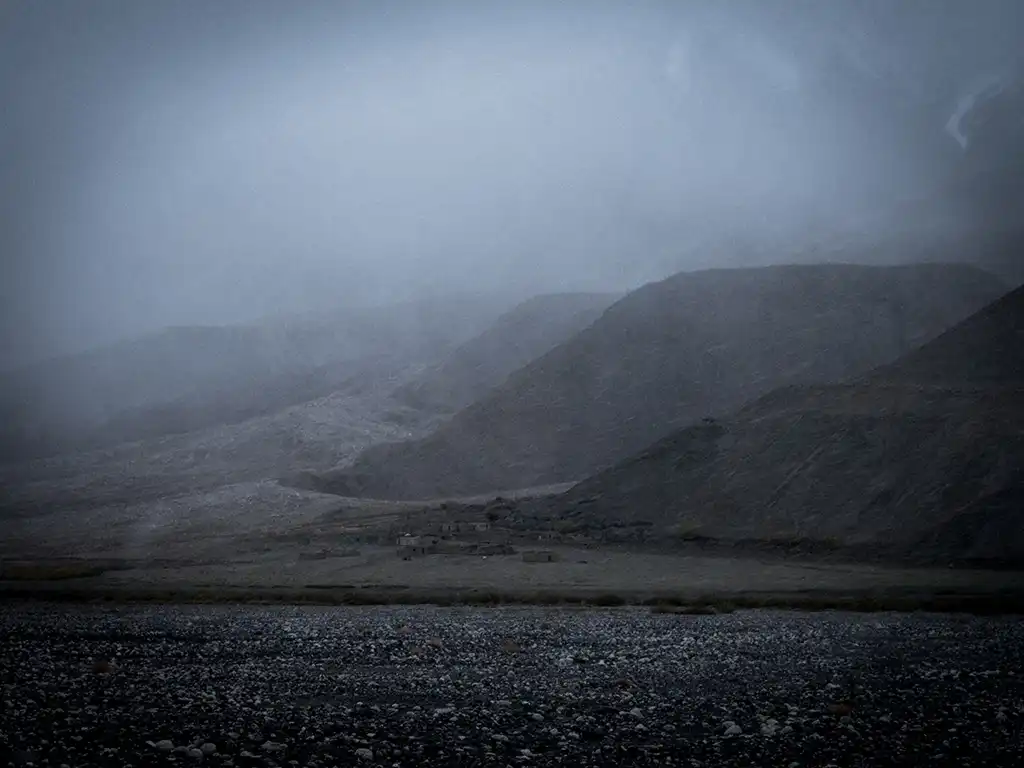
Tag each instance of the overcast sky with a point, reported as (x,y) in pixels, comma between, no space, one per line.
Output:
(206,162)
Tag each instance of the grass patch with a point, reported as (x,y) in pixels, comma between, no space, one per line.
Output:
(51,571)
(985,604)
(607,599)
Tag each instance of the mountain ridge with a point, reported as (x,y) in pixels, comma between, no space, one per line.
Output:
(516,338)
(920,457)
(665,355)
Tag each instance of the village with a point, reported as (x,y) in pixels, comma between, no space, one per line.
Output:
(474,529)
(497,527)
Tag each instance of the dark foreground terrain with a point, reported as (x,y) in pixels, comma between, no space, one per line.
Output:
(245,686)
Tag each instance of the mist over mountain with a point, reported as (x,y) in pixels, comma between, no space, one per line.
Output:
(164,173)
(317,391)
(190,378)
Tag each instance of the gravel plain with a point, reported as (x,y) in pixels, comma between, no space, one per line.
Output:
(125,685)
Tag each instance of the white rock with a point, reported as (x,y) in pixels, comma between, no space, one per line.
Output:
(364,754)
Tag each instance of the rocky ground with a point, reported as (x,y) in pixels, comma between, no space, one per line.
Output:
(281,686)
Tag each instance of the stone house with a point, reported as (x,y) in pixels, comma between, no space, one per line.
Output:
(411,545)
(539,556)
(418,550)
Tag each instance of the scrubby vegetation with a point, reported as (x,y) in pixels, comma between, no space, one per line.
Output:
(991,603)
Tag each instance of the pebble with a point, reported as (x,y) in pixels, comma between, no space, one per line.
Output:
(252,686)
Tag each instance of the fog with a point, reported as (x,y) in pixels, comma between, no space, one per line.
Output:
(194,162)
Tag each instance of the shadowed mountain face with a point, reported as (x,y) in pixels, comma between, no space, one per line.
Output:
(517,338)
(987,349)
(191,378)
(919,457)
(665,356)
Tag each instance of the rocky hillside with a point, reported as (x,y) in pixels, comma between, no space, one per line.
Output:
(191,449)
(186,379)
(518,337)
(666,355)
(315,434)
(921,457)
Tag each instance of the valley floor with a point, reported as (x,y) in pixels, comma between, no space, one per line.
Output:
(264,541)
(379,575)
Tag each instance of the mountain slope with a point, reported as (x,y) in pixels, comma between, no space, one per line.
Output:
(987,349)
(183,379)
(919,457)
(664,356)
(284,423)
(319,433)
(519,336)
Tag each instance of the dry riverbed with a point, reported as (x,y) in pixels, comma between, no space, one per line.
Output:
(413,686)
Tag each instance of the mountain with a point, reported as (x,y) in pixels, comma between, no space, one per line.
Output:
(920,457)
(195,450)
(664,356)
(190,468)
(519,336)
(188,378)
(986,350)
